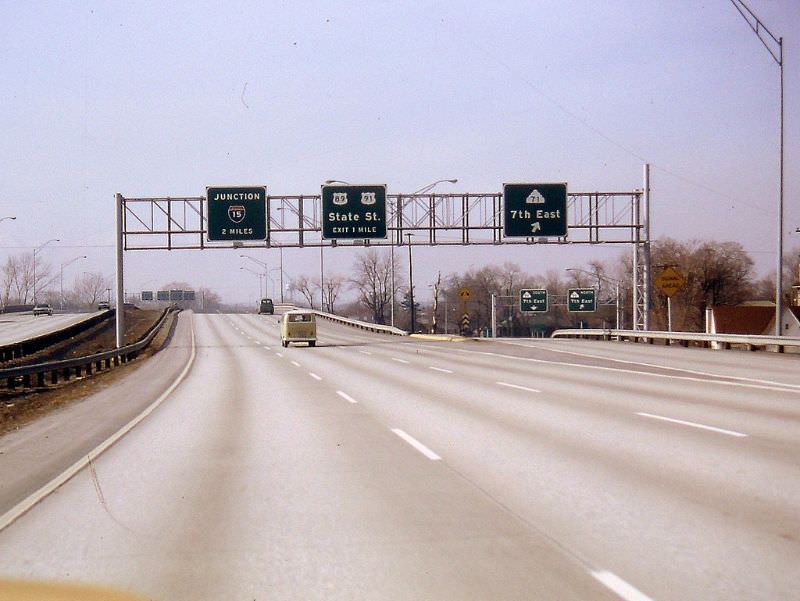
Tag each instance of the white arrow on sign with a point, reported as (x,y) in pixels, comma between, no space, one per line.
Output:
(536,227)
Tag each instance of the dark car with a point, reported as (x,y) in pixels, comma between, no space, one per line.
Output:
(103,306)
(266,307)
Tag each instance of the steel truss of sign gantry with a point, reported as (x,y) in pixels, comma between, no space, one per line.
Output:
(433,219)
(181,223)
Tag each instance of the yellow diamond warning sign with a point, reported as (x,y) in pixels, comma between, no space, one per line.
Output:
(670,281)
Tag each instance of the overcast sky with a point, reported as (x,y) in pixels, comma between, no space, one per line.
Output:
(163,99)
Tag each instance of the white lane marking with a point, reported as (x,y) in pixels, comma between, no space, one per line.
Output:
(295,363)
(517,386)
(346,397)
(441,369)
(27,503)
(692,424)
(657,366)
(365,352)
(619,586)
(313,375)
(417,444)
(399,360)
(777,385)
(279,354)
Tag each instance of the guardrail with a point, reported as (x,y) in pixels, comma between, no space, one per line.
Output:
(20,348)
(363,325)
(24,375)
(720,341)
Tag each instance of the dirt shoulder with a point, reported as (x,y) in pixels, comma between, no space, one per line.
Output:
(19,407)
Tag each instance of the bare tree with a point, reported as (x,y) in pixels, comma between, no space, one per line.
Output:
(306,287)
(18,278)
(373,282)
(91,287)
(207,300)
(437,285)
(333,286)
(716,273)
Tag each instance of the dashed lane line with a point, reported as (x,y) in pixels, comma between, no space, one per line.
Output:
(346,397)
(619,586)
(517,386)
(693,424)
(417,444)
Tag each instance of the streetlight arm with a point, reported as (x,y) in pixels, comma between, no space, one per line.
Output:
(71,261)
(36,250)
(429,187)
(757,25)
(262,263)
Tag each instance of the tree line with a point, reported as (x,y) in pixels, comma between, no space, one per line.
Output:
(715,273)
(20,278)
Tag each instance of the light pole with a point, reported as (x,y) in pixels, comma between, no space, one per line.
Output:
(411,285)
(36,250)
(280,248)
(757,26)
(262,263)
(422,190)
(61,278)
(260,276)
(617,300)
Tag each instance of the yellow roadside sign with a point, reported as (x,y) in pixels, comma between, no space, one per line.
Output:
(670,281)
(465,294)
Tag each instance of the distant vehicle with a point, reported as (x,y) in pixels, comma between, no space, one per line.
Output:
(299,326)
(103,306)
(266,307)
(42,309)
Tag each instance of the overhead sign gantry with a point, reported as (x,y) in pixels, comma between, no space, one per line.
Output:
(524,214)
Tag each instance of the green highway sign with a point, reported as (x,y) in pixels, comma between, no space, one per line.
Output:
(581,300)
(533,301)
(534,210)
(353,212)
(237,213)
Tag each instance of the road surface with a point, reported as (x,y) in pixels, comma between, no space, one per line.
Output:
(16,327)
(376,467)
